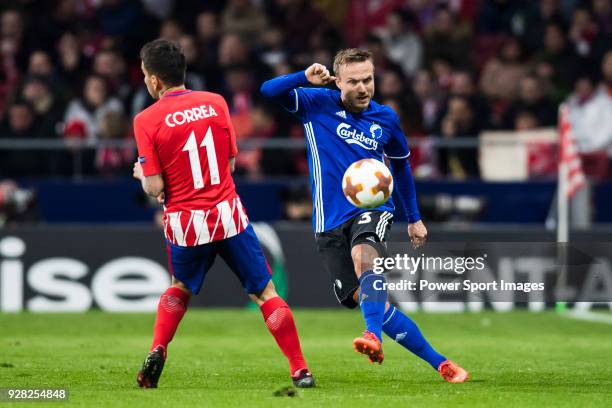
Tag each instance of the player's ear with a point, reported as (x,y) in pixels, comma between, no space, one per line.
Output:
(337,81)
(155,83)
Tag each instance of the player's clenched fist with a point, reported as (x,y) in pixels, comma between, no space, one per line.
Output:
(318,74)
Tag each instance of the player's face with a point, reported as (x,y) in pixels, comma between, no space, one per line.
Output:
(356,83)
(151,82)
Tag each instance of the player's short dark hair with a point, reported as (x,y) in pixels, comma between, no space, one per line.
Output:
(350,55)
(164,59)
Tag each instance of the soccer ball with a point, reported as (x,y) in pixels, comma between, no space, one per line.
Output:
(367,183)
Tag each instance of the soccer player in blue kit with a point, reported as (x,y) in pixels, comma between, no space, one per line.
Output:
(342,127)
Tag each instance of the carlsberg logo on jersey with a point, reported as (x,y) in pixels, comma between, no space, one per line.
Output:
(350,136)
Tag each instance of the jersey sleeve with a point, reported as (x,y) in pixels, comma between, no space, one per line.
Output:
(282,89)
(147,155)
(230,128)
(397,146)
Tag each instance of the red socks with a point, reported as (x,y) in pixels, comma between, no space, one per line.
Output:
(279,320)
(170,310)
(276,313)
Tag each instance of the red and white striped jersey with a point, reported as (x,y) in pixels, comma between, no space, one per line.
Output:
(188,138)
(197,227)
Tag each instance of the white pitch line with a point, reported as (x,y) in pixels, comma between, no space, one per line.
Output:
(589,317)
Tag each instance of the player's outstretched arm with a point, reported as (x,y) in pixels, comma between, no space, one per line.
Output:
(406,197)
(280,88)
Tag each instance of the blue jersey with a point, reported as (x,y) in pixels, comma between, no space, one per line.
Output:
(336,138)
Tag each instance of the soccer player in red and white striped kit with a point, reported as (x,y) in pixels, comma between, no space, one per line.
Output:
(186,148)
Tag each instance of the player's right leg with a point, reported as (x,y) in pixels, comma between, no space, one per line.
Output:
(245,257)
(280,323)
(404,331)
(188,266)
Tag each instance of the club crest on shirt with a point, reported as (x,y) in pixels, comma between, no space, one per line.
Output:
(376,131)
(350,135)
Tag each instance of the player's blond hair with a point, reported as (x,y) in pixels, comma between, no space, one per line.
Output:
(350,55)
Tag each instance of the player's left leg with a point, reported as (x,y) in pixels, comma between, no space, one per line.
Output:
(244,256)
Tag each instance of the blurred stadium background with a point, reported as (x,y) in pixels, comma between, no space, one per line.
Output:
(477,84)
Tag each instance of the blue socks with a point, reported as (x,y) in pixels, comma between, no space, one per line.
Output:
(372,299)
(398,326)
(403,330)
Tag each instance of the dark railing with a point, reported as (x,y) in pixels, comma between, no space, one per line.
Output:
(266,143)
(77,146)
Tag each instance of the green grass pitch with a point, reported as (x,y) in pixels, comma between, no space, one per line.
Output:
(227,358)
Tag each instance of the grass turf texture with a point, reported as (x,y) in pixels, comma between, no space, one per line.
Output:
(227,358)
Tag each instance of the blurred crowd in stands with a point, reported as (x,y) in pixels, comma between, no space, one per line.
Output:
(70,69)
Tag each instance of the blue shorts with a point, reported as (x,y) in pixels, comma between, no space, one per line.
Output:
(242,253)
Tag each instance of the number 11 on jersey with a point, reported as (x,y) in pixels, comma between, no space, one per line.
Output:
(194,159)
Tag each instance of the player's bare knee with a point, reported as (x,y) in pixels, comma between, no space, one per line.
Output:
(363,258)
(180,285)
(267,293)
